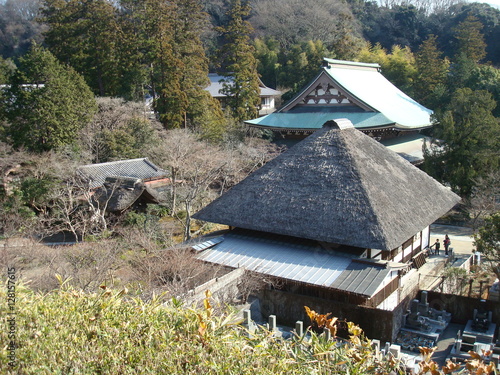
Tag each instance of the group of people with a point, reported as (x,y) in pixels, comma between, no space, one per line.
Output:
(437,245)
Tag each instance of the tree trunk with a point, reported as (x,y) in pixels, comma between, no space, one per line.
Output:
(173,196)
(187,225)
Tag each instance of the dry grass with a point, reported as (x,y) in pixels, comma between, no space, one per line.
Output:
(137,261)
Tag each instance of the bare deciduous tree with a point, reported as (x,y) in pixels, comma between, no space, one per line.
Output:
(76,208)
(295,21)
(193,166)
(485,198)
(429,6)
(172,270)
(245,158)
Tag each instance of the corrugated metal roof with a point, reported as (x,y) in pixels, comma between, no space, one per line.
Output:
(134,168)
(208,244)
(361,278)
(289,259)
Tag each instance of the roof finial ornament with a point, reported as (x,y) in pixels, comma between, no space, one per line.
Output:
(339,123)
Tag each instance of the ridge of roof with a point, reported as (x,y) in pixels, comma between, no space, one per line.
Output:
(217,82)
(140,168)
(119,162)
(344,63)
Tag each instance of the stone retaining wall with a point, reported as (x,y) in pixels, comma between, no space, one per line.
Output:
(223,288)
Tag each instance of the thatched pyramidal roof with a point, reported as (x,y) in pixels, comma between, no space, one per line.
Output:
(338,186)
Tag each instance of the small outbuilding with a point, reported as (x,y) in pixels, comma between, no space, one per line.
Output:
(121,184)
(268,95)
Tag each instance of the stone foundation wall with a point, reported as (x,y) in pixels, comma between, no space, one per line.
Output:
(289,308)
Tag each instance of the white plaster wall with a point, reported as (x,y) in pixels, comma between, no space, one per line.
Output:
(425,237)
(390,302)
(409,283)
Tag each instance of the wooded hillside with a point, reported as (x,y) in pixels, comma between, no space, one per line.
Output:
(59,55)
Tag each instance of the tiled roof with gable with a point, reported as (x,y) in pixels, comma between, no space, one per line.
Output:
(140,168)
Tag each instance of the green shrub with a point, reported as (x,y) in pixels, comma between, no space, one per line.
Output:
(71,332)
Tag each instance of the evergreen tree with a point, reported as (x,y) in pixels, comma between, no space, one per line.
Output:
(487,241)
(171,101)
(89,36)
(300,64)
(168,37)
(7,67)
(487,77)
(432,71)
(238,61)
(47,103)
(466,141)
(469,39)
(189,23)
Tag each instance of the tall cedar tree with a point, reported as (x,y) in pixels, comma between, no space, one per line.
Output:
(470,49)
(47,103)
(469,39)
(189,23)
(202,110)
(88,35)
(171,48)
(171,101)
(467,137)
(432,70)
(236,55)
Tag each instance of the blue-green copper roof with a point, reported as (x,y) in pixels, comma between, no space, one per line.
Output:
(315,120)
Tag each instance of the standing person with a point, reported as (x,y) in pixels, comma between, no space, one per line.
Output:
(436,246)
(446,243)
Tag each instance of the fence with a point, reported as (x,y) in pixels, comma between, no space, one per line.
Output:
(471,286)
(461,307)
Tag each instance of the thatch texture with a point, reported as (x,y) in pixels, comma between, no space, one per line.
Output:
(338,186)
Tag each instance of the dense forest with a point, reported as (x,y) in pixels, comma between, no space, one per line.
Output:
(75,76)
(132,49)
